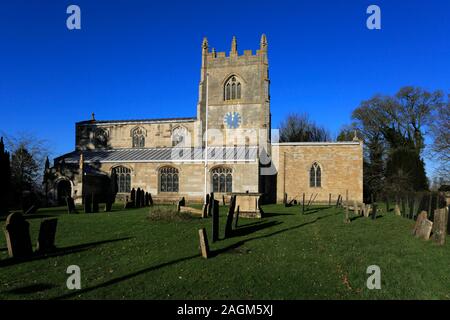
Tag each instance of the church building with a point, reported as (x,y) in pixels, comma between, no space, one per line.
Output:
(228,147)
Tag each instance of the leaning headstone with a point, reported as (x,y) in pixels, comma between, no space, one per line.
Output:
(230,215)
(424,229)
(397,210)
(215,220)
(47,233)
(17,233)
(70,205)
(150,199)
(440,226)
(204,247)
(422,216)
(367,209)
(205,211)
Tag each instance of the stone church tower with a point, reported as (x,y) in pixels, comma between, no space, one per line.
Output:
(237,88)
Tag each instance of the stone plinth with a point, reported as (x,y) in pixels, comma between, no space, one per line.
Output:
(248,204)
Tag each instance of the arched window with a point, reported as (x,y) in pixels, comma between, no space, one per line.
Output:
(222,179)
(123,176)
(315,176)
(138,137)
(101,138)
(168,179)
(179,136)
(232,89)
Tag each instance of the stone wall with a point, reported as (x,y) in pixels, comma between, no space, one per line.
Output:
(341,169)
(191,178)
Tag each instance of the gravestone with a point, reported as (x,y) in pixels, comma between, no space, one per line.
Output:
(424,229)
(229,224)
(204,247)
(205,211)
(367,210)
(422,216)
(138,198)
(133,196)
(17,233)
(47,233)
(70,205)
(215,220)
(374,211)
(210,204)
(147,199)
(440,226)
(346,219)
(355,208)
(397,210)
(150,199)
(181,203)
(142,198)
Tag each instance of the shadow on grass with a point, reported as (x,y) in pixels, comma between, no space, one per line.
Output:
(213,253)
(31,289)
(58,252)
(314,210)
(270,214)
(249,229)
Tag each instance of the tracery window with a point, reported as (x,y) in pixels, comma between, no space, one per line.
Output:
(222,179)
(101,137)
(168,179)
(179,135)
(138,137)
(232,89)
(123,176)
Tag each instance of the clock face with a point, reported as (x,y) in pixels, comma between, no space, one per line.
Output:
(232,120)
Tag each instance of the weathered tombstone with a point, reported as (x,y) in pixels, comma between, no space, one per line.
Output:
(133,195)
(150,199)
(355,208)
(424,229)
(204,247)
(440,226)
(17,233)
(47,233)
(367,209)
(237,218)
(87,204)
(215,220)
(374,211)
(230,215)
(147,199)
(210,204)
(138,198)
(422,216)
(397,210)
(181,203)
(70,205)
(142,198)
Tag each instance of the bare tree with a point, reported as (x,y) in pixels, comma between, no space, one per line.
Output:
(440,132)
(299,128)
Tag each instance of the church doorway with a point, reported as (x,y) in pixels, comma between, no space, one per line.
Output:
(64,189)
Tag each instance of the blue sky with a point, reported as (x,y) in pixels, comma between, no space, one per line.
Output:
(141,59)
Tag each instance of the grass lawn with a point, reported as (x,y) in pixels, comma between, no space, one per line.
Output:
(286,255)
